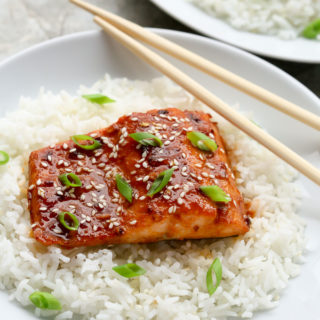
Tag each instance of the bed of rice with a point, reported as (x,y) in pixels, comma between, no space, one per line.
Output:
(282,18)
(256,266)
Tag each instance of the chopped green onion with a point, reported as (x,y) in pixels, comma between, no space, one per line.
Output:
(45,300)
(215,193)
(75,222)
(4,158)
(129,270)
(201,141)
(81,137)
(161,181)
(216,267)
(124,187)
(146,139)
(312,30)
(73,182)
(98,98)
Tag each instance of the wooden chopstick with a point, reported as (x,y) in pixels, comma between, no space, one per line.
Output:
(212,101)
(205,65)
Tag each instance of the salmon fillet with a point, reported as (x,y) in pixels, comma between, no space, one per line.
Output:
(179,211)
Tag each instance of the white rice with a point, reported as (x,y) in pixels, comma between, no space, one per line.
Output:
(256,266)
(282,18)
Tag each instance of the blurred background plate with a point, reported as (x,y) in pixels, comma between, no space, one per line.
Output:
(299,50)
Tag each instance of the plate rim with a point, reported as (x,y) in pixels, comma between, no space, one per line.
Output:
(163,32)
(175,14)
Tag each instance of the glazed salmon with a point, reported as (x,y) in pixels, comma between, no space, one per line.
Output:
(180,211)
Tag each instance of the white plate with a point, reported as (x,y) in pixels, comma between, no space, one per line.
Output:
(67,62)
(300,50)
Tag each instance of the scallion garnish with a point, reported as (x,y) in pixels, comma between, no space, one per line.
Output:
(4,158)
(215,193)
(124,187)
(74,220)
(146,139)
(81,137)
(70,180)
(201,141)
(98,98)
(216,267)
(312,30)
(129,270)
(45,300)
(161,181)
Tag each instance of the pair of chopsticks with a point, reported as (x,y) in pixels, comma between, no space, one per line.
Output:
(123,30)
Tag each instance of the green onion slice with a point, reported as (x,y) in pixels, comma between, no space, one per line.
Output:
(74,220)
(312,30)
(124,187)
(201,141)
(81,137)
(161,181)
(129,270)
(216,267)
(146,139)
(215,193)
(98,98)
(45,300)
(4,158)
(70,180)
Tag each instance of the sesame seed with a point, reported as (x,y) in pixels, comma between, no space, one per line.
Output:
(199,178)
(31,187)
(134,119)
(111,225)
(212,176)
(101,165)
(119,209)
(166,143)
(95,228)
(57,230)
(180,201)
(141,160)
(133,222)
(175,125)
(184,155)
(43,208)
(201,156)
(146,178)
(93,212)
(89,204)
(137,165)
(88,219)
(175,161)
(145,164)
(144,154)
(160,159)
(185,174)
(211,135)
(222,151)
(65,146)
(60,162)
(38,182)
(52,146)
(101,205)
(182,194)
(66,164)
(205,174)
(172,138)
(170,209)
(117,224)
(166,197)
(184,168)
(142,198)
(133,172)
(199,165)
(72,150)
(49,158)
(176,186)
(93,135)
(83,221)
(88,187)
(78,170)
(59,193)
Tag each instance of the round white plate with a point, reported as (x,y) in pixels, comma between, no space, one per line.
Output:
(65,63)
(300,50)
